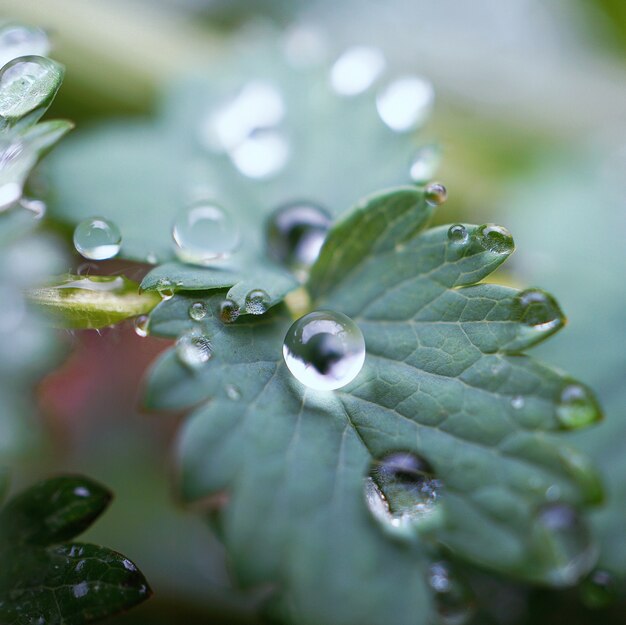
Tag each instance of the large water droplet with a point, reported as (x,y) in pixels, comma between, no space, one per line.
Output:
(453,597)
(97,239)
(324,350)
(19,40)
(458,234)
(141,325)
(27,85)
(193,350)
(296,233)
(563,536)
(197,311)
(495,239)
(262,154)
(405,103)
(403,493)
(356,70)
(204,233)
(435,194)
(577,407)
(540,310)
(229,311)
(425,163)
(598,589)
(257,302)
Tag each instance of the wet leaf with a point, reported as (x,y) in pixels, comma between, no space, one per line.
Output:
(445,378)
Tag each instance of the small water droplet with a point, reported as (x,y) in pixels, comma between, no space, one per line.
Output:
(10,194)
(204,233)
(97,239)
(19,40)
(193,350)
(453,597)
(425,163)
(165,288)
(229,311)
(232,392)
(540,310)
(141,325)
(296,233)
(598,589)
(562,535)
(80,590)
(405,103)
(257,302)
(435,194)
(403,493)
(262,154)
(577,407)
(197,311)
(495,238)
(356,70)
(458,234)
(324,350)
(517,402)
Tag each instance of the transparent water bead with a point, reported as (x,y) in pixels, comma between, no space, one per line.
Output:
(257,302)
(261,155)
(197,311)
(193,350)
(577,407)
(356,70)
(453,598)
(165,288)
(324,350)
(425,163)
(405,104)
(435,194)
(458,234)
(203,233)
(258,105)
(19,40)
(495,239)
(296,233)
(540,310)
(229,311)
(141,325)
(403,493)
(97,239)
(562,535)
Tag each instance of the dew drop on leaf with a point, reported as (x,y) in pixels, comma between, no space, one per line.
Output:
(197,311)
(458,234)
(141,324)
(561,533)
(296,233)
(165,288)
(97,239)
(229,311)
(204,233)
(193,350)
(356,70)
(598,589)
(436,194)
(257,302)
(19,40)
(405,104)
(454,601)
(539,310)
(403,493)
(495,239)
(577,408)
(425,163)
(324,350)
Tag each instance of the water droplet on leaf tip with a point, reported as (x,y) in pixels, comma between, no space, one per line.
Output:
(141,324)
(229,311)
(405,103)
(356,70)
(257,302)
(495,239)
(324,350)
(193,350)
(165,288)
(454,600)
(435,194)
(204,233)
(577,407)
(458,234)
(197,311)
(540,310)
(97,238)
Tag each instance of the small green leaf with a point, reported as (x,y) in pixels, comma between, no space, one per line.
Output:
(68,584)
(52,511)
(93,301)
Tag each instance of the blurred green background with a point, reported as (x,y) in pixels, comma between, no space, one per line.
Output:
(531,115)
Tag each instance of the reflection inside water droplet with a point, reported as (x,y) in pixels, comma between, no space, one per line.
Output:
(193,350)
(453,598)
(577,407)
(425,163)
(97,239)
(324,350)
(257,302)
(405,103)
(17,40)
(403,493)
(141,325)
(356,70)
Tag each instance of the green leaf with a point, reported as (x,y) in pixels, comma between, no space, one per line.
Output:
(52,511)
(67,584)
(444,378)
(161,166)
(93,301)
